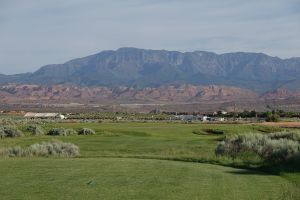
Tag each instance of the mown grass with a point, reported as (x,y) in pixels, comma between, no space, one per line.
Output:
(108,161)
(119,178)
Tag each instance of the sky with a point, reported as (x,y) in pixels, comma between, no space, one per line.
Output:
(34,33)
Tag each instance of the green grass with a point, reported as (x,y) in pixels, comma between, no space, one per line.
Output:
(136,161)
(140,139)
(119,178)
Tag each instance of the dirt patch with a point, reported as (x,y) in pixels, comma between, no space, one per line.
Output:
(283,124)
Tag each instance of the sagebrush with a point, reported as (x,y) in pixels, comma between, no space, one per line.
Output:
(276,147)
(45,149)
(36,130)
(86,131)
(10,131)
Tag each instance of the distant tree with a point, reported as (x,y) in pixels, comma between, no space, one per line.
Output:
(272,117)
(219,113)
(253,113)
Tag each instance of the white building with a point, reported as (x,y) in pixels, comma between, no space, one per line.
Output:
(44,115)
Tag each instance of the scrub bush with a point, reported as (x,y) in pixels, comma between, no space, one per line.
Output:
(57,132)
(61,132)
(86,131)
(277,147)
(71,131)
(295,136)
(36,130)
(10,131)
(45,149)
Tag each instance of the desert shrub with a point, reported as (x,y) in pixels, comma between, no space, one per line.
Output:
(53,148)
(9,131)
(7,122)
(222,148)
(2,133)
(86,131)
(295,136)
(61,132)
(70,131)
(45,149)
(35,130)
(279,150)
(15,151)
(3,152)
(57,132)
(268,147)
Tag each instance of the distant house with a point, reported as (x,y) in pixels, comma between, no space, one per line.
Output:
(223,112)
(205,118)
(44,115)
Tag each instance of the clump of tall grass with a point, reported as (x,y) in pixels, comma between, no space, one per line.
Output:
(54,148)
(86,131)
(274,148)
(10,131)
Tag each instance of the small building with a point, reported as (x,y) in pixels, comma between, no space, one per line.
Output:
(44,115)
(223,112)
(205,118)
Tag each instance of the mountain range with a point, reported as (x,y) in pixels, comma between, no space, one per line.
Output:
(131,74)
(140,68)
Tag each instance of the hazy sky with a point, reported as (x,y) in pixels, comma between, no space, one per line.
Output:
(39,32)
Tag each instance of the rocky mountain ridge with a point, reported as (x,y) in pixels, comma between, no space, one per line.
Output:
(140,68)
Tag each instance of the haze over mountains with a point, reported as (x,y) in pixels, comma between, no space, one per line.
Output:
(159,75)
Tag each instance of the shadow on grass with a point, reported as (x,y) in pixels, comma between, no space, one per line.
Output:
(250,172)
(246,168)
